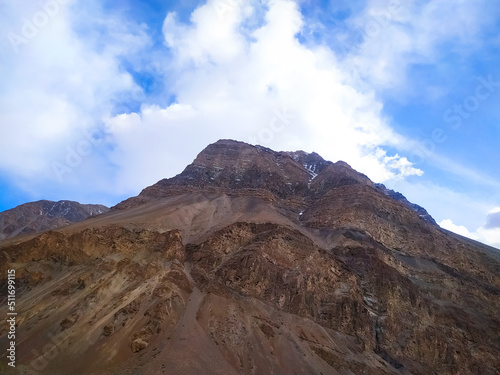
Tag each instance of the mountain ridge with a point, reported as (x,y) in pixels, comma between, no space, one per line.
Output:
(312,163)
(38,216)
(302,266)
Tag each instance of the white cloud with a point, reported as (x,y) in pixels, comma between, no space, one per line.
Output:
(57,83)
(489,236)
(489,233)
(459,229)
(493,218)
(387,37)
(236,80)
(237,74)
(214,37)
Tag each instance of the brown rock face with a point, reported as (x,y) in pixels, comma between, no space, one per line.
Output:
(256,262)
(43,215)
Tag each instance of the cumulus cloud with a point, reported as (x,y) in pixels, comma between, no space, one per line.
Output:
(236,69)
(63,74)
(245,75)
(59,84)
(493,219)
(459,229)
(488,234)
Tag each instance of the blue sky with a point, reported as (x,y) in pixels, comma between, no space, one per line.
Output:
(101,99)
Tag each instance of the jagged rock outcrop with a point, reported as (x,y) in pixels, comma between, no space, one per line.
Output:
(257,262)
(43,215)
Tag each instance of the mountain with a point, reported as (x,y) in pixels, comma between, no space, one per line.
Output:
(253,261)
(43,215)
(422,212)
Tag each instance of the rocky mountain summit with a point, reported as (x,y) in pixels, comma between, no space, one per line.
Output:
(253,261)
(43,215)
(238,168)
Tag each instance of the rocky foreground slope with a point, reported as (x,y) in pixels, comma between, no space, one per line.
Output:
(43,215)
(255,262)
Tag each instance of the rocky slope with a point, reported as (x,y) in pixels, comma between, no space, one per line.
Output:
(256,262)
(43,215)
(422,212)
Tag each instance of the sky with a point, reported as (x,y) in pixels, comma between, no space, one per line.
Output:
(100,99)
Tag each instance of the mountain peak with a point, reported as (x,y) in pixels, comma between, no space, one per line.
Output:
(236,167)
(268,262)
